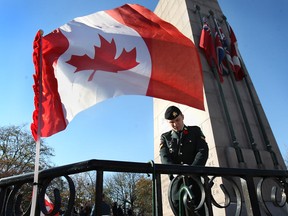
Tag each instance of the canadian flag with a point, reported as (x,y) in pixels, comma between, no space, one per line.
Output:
(125,51)
(239,71)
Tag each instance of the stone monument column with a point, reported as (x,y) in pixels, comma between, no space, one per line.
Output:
(263,153)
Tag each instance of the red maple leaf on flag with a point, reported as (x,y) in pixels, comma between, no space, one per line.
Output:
(104,59)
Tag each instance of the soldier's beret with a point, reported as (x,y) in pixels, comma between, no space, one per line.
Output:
(172,112)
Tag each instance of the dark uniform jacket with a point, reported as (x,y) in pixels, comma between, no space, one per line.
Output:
(186,147)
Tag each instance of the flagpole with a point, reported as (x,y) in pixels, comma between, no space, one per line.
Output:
(38,141)
(264,134)
(238,150)
(239,100)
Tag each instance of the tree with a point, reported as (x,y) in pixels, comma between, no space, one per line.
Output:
(17,151)
(128,190)
(144,196)
(85,185)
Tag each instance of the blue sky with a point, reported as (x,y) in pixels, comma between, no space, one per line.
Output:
(122,128)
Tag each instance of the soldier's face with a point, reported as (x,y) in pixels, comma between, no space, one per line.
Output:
(177,124)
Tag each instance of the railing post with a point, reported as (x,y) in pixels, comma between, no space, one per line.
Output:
(250,197)
(99,192)
(159,195)
(3,198)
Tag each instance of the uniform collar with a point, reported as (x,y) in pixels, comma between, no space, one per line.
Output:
(175,134)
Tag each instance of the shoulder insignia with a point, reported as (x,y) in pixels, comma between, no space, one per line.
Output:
(161,145)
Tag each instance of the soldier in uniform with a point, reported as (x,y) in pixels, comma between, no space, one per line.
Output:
(183,145)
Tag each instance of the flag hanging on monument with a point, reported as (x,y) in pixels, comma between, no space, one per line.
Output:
(239,73)
(207,44)
(125,51)
(220,51)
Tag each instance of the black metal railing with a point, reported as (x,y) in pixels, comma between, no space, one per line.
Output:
(245,191)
